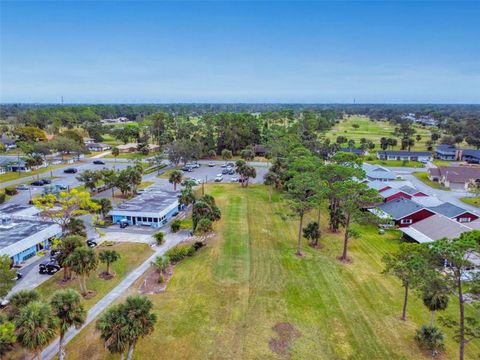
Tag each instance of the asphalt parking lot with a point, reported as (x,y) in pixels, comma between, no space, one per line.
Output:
(208,174)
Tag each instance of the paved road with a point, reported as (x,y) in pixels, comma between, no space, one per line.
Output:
(171,240)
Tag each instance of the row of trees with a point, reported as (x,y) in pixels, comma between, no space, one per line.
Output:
(437,271)
(34,323)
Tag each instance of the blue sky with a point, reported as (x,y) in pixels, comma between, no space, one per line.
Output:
(134,51)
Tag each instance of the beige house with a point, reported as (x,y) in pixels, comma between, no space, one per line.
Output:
(455,177)
(132,147)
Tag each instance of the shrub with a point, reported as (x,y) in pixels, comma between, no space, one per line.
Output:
(431,338)
(159,238)
(161,278)
(198,245)
(10,191)
(204,226)
(179,252)
(176,224)
(2,197)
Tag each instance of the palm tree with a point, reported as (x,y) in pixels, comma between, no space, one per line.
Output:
(123,325)
(105,206)
(35,327)
(82,261)
(76,227)
(67,247)
(187,196)
(20,299)
(69,310)
(115,153)
(435,297)
(108,257)
(175,178)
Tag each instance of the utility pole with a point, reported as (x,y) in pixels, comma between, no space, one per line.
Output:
(62,99)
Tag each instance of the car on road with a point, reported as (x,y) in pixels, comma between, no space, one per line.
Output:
(18,276)
(193,165)
(99,162)
(219,178)
(211,164)
(37,183)
(70,171)
(22,187)
(187,169)
(234,179)
(91,243)
(49,267)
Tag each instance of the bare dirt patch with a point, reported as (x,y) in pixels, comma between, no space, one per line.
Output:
(287,333)
(150,284)
(106,276)
(90,294)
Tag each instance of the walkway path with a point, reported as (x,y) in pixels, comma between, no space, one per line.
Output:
(171,239)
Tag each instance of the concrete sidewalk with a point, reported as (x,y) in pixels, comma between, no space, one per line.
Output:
(171,239)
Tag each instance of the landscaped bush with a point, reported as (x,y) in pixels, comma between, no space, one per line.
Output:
(176,224)
(198,245)
(204,226)
(180,252)
(159,238)
(11,191)
(2,197)
(431,338)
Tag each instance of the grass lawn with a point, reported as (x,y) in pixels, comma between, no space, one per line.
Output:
(132,255)
(224,302)
(444,162)
(9,176)
(130,156)
(423,176)
(475,201)
(374,130)
(110,140)
(398,163)
(166,174)
(145,184)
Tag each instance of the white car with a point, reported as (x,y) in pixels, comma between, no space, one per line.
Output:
(211,164)
(219,178)
(234,179)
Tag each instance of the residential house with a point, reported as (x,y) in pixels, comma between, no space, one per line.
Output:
(378,185)
(260,150)
(470,156)
(421,156)
(403,212)
(446,152)
(454,212)
(455,177)
(132,147)
(405,191)
(356,151)
(378,172)
(88,141)
(7,142)
(98,147)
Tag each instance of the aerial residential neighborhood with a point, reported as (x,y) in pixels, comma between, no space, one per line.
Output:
(283,180)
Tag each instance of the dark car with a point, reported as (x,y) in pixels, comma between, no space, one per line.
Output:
(70,171)
(91,243)
(49,267)
(18,275)
(187,168)
(54,253)
(231,171)
(47,181)
(123,223)
(225,171)
(37,183)
(99,162)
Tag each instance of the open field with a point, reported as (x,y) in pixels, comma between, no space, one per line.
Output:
(374,130)
(131,256)
(396,163)
(32,174)
(423,176)
(225,301)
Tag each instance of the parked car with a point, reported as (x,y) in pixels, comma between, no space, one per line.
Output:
(187,168)
(70,171)
(22,187)
(211,164)
(47,181)
(225,171)
(18,276)
(99,162)
(91,243)
(61,187)
(193,165)
(234,179)
(224,165)
(54,253)
(230,164)
(231,171)
(219,178)
(37,183)
(197,181)
(123,223)
(49,267)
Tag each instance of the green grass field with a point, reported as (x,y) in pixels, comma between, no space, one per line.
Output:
(423,176)
(9,176)
(373,130)
(475,201)
(396,163)
(224,302)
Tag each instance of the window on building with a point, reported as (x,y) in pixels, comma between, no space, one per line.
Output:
(129,218)
(464,220)
(150,220)
(406,221)
(155,220)
(144,219)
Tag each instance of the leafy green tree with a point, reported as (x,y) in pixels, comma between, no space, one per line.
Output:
(226,154)
(175,178)
(7,337)
(456,252)
(431,338)
(82,261)
(212,154)
(105,206)
(110,179)
(7,275)
(301,194)
(206,208)
(187,196)
(247,154)
(159,237)
(108,257)
(161,263)
(272,180)
(19,300)
(36,327)
(76,227)
(245,171)
(115,153)
(410,264)
(353,198)
(90,178)
(67,307)
(121,326)
(312,233)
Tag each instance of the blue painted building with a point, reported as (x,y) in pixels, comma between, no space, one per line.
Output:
(152,208)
